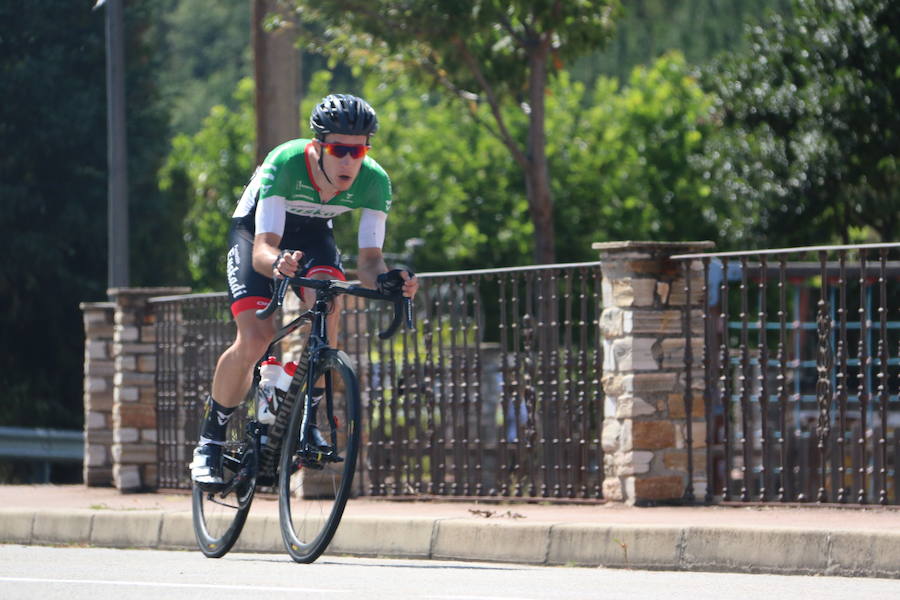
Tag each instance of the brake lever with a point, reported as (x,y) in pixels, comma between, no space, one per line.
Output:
(276,301)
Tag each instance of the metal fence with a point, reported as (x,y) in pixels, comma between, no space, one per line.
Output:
(497,393)
(191,333)
(801,374)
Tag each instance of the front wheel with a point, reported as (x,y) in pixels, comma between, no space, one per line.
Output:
(314,485)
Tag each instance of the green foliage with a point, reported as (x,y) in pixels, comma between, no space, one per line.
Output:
(810,147)
(463,44)
(500,53)
(53,187)
(156,245)
(454,187)
(210,170)
(622,167)
(205,50)
(699,29)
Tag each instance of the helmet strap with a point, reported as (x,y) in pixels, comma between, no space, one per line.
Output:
(322,168)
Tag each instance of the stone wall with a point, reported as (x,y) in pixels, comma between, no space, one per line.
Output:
(120,390)
(99,368)
(642,325)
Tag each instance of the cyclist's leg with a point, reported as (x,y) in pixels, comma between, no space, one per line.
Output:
(248,290)
(234,370)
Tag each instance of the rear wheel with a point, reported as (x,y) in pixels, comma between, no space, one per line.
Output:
(219,512)
(314,485)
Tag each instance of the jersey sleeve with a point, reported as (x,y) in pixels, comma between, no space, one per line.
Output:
(371,228)
(270,215)
(275,179)
(379,192)
(274,189)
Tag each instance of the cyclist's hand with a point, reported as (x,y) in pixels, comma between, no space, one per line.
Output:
(287,264)
(397,282)
(410,284)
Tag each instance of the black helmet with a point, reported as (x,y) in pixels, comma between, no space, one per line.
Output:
(343,113)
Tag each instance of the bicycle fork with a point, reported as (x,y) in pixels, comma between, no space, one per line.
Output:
(309,455)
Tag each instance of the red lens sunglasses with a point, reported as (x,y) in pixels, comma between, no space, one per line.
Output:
(342,150)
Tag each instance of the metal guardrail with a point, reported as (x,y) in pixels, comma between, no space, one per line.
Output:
(41,448)
(38,444)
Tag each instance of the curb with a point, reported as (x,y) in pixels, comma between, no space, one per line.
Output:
(794,551)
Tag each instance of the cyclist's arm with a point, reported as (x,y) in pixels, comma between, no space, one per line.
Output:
(371,237)
(270,216)
(370,265)
(265,252)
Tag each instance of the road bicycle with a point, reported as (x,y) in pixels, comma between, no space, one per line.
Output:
(313,481)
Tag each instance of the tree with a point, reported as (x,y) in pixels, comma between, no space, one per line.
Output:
(208,171)
(699,29)
(500,53)
(204,52)
(53,188)
(625,155)
(811,144)
(623,158)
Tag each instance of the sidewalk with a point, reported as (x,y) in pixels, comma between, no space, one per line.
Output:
(795,540)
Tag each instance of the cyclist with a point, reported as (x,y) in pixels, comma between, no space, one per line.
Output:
(281,228)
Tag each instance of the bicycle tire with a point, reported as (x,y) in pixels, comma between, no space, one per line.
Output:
(218,522)
(311,501)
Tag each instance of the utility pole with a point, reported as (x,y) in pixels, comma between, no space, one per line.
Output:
(276,66)
(117,151)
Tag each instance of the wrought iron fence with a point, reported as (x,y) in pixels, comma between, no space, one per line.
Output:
(191,333)
(497,393)
(801,374)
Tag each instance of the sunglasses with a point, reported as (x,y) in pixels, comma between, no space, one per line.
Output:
(342,150)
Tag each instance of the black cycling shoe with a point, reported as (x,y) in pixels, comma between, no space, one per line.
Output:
(206,468)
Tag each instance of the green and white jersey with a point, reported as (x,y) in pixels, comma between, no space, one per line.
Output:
(281,197)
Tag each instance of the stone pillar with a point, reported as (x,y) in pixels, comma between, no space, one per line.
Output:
(644,370)
(134,440)
(99,368)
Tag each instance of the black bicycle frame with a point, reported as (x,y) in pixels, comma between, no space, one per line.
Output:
(326,291)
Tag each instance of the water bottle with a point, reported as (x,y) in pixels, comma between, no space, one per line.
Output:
(285,378)
(269,372)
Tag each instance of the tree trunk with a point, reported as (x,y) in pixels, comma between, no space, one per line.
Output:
(537,175)
(276,65)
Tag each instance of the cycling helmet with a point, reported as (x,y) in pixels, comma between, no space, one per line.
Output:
(343,113)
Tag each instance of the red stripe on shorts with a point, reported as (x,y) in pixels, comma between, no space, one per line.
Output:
(248,303)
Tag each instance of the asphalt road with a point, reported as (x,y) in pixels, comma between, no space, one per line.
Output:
(28,572)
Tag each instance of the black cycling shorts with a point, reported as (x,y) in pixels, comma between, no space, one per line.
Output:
(247,289)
